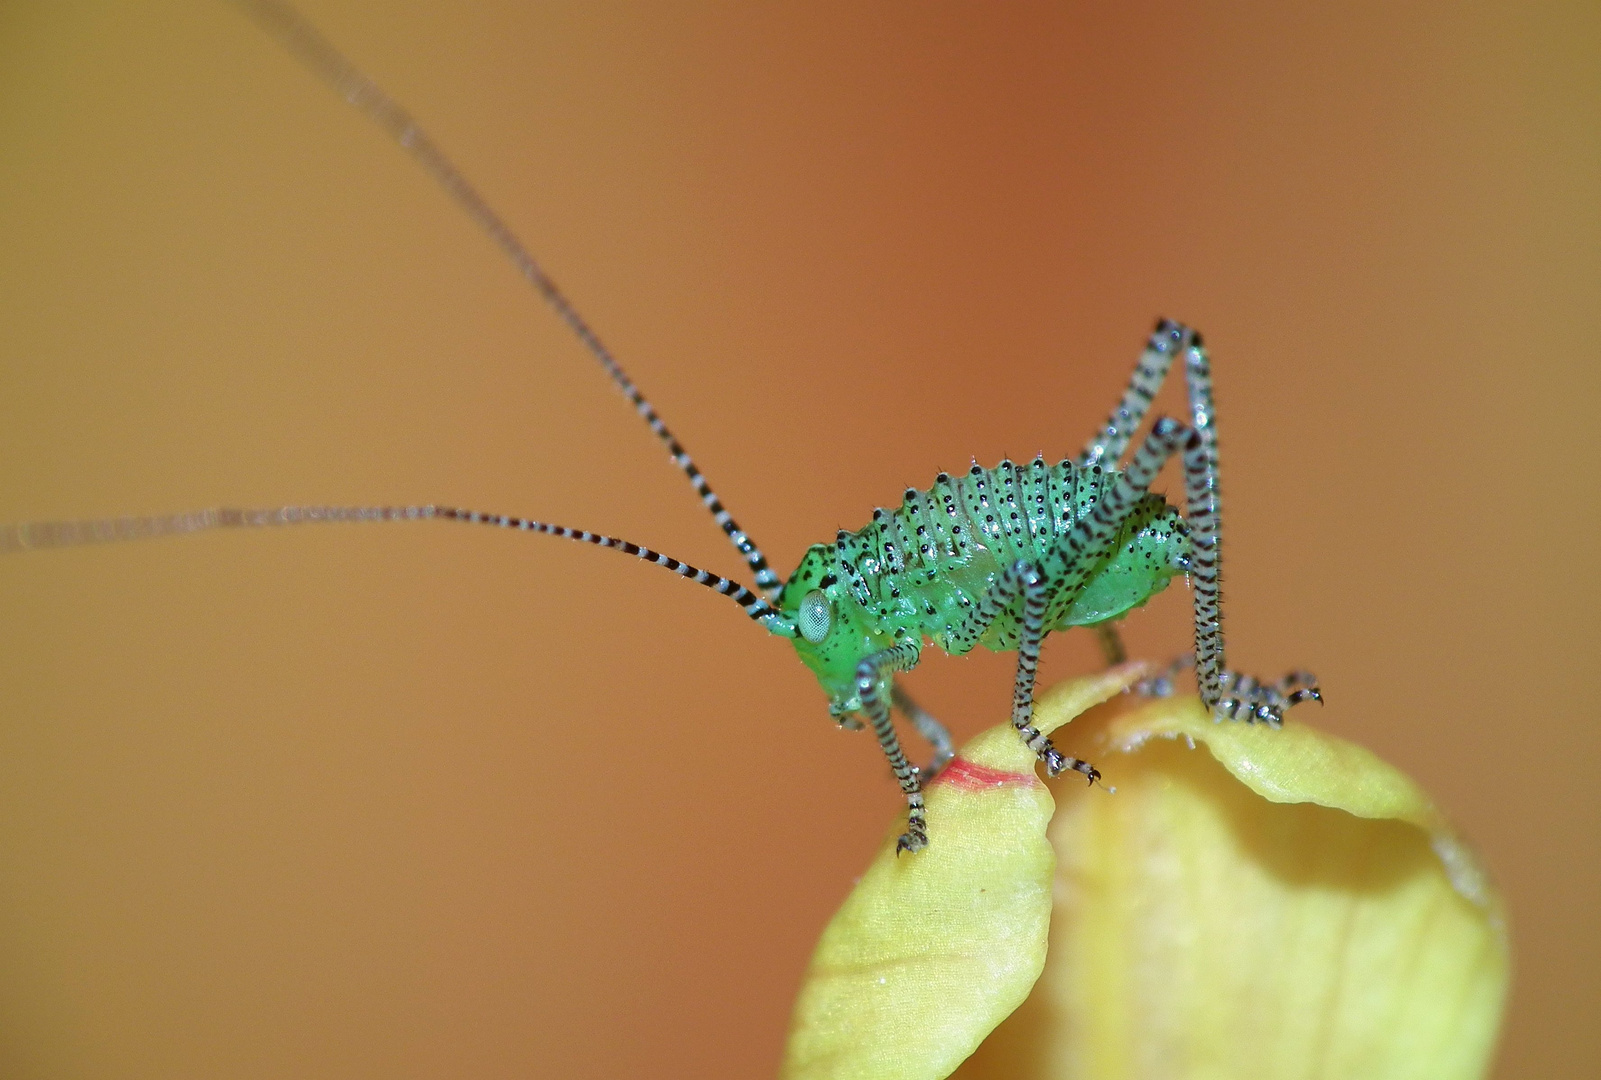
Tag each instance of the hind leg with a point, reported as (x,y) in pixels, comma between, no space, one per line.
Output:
(1106,449)
(1229,694)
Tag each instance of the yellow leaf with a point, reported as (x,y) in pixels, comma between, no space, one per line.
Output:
(932,950)
(1251,903)
(1257,903)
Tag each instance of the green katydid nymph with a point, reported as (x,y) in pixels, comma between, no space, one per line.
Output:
(996,557)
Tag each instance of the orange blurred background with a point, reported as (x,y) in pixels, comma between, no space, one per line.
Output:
(423,801)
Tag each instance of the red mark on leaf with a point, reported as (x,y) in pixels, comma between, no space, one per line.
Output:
(965,774)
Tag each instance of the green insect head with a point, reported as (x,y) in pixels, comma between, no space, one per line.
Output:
(835,633)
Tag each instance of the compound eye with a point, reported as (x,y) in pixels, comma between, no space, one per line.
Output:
(816,617)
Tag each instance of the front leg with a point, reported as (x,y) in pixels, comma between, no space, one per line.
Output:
(869,673)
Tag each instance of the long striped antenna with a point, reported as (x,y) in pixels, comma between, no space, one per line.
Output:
(308,45)
(60,534)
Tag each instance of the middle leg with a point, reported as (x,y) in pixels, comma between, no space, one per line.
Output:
(1063,572)
(1031,635)
(1025,579)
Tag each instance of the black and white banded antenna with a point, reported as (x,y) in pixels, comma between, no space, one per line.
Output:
(307,44)
(300,38)
(30,536)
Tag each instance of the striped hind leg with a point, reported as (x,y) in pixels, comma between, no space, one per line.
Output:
(869,675)
(1229,694)
(1150,372)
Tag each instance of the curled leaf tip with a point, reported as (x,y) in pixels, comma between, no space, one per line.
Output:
(1299,763)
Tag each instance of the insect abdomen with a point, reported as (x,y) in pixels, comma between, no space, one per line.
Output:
(922,566)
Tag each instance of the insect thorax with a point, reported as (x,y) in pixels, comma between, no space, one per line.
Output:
(913,573)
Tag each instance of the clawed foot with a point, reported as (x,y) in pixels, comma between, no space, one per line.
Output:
(1244,697)
(1057,763)
(915,838)
(1255,702)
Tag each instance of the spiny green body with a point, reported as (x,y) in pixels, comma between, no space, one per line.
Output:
(913,573)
